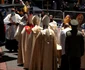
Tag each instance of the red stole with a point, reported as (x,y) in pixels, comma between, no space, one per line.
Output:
(29,28)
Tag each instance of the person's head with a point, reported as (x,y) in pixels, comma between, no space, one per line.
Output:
(51,18)
(27,3)
(21,13)
(83,26)
(80,18)
(67,19)
(42,14)
(36,20)
(74,24)
(12,11)
(45,20)
(67,16)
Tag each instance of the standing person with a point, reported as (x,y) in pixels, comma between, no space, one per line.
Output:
(30,40)
(64,59)
(18,36)
(2,33)
(67,19)
(80,18)
(52,20)
(26,31)
(74,46)
(62,35)
(83,57)
(11,22)
(2,30)
(44,51)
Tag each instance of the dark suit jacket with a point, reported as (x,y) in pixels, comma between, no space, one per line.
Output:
(74,44)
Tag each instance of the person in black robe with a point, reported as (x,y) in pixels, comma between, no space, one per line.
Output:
(74,46)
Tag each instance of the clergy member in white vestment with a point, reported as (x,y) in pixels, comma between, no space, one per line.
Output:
(18,37)
(24,37)
(54,27)
(11,22)
(44,51)
(30,40)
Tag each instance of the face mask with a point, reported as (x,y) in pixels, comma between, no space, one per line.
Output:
(13,13)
